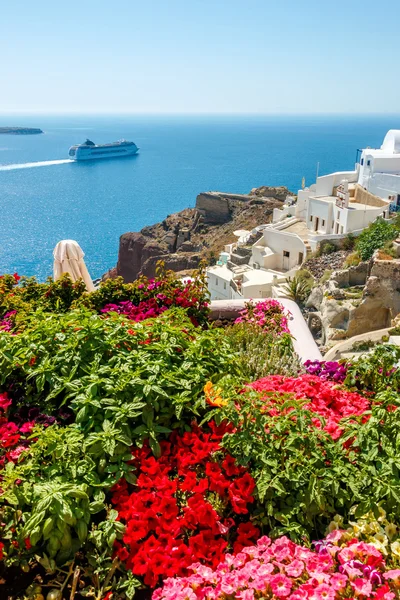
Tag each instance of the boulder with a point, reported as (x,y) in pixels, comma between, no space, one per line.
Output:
(134,250)
(214,207)
(279,193)
(174,262)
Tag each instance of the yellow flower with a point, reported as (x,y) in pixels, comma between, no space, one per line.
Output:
(390,530)
(382,549)
(333,526)
(395,548)
(382,513)
(381,538)
(338,519)
(213,395)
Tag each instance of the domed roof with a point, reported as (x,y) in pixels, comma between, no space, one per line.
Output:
(391,143)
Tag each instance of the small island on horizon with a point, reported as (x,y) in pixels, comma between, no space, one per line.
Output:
(20,130)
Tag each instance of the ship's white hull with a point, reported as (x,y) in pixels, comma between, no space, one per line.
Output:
(103,152)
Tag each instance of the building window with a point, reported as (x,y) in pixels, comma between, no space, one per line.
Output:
(323,222)
(224,285)
(286,254)
(311,219)
(362,162)
(216,281)
(368,163)
(333,224)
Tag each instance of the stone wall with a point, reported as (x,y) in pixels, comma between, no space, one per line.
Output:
(215,208)
(362,196)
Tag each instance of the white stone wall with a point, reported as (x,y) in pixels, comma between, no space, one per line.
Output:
(326,183)
(321,210)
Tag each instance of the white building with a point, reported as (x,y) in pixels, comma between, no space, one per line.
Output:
(336,205)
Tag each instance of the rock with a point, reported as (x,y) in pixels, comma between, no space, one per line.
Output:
(279,193)
(215,208)
(359,299)
(315,298)
(183,261)
(183,239)
(134,250)
(327,262)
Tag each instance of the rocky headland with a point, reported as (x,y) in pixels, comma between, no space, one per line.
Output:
(20,130)
(185,238)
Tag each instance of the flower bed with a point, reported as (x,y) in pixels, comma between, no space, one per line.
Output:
(320,396)
(136,440)
(282,569)
(187,506)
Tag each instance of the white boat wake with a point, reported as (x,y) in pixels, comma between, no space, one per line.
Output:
(43,163)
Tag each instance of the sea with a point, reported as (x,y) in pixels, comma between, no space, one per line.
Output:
(45,198)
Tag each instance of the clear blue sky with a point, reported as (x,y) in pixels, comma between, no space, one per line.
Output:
(200,56)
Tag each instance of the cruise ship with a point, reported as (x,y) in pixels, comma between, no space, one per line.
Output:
(90,150)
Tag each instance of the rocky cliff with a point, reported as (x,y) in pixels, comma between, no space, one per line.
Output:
(183,239)
(353,301)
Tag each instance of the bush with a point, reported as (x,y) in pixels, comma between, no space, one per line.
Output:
(297,289)
(314,458)
(259,354)
(352,260)
(349,242)
(326,276)
(375,237)
(144,376)
(327,248)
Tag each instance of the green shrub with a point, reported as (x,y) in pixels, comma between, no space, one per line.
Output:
(326,276)
(374,237)
(328,248)
(259,354)
(147,377)
(352,260)
(349,242)
(297,289)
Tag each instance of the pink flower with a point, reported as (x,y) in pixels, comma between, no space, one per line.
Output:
(361,586)
(27,427)
(324,592)
(295,568)
(16,452)
(280,585)
(338,581)
(393,574)
(5,401)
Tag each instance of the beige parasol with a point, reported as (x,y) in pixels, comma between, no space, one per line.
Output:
(68,258)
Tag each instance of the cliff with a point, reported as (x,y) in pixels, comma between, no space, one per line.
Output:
(357,300)
(20,130)
(183,239)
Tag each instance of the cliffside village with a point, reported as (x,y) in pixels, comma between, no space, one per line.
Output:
(269,235)
(261,260)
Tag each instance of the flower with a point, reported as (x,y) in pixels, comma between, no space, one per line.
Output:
(170,517)
(280,585)
(213,395)
(5,402)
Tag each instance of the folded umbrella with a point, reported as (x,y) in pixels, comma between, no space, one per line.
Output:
(68,259)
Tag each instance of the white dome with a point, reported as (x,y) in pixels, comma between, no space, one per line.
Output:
(391,143)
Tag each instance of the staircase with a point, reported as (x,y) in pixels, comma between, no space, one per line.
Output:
(308,249)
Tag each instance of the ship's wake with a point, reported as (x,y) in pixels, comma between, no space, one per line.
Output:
(31,165)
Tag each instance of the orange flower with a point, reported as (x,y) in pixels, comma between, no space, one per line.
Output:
(213,395)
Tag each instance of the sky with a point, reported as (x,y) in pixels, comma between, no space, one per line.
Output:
(200,56)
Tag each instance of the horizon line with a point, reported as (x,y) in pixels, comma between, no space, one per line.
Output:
(4,112)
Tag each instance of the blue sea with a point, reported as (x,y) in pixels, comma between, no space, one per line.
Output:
(94,202)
